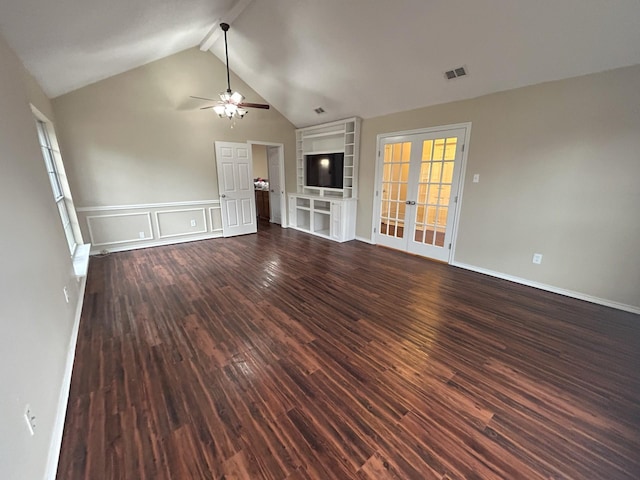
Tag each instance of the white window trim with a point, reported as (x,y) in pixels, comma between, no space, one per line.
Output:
(60,190)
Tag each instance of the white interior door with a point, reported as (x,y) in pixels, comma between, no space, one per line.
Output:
(276,193)
(418,190)
(235,184)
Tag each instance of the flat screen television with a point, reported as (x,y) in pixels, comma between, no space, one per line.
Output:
(324,170)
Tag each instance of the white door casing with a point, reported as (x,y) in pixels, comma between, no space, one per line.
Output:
(419,176)
(235,187)
(276,193)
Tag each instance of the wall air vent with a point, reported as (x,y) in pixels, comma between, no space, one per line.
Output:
(456,73)
(319,110)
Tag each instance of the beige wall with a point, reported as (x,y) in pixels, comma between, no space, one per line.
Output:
(559,169)
(35,320)
(260,162)
(138,138)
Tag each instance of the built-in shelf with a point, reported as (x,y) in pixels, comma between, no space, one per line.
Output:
(324,152)
(327,212)
(324,134)
(342,136)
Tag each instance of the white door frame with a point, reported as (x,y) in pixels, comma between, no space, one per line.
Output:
(283,189)
(463,168)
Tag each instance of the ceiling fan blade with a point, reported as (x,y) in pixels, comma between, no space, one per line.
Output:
(254,105)
(202,98)
(206,108)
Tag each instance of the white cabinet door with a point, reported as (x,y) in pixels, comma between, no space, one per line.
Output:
(336,221)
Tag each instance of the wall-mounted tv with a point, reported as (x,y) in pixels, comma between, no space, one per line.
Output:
(324,170)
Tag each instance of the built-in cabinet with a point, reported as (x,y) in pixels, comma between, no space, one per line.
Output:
(330,218)
(322,211)
(262,204)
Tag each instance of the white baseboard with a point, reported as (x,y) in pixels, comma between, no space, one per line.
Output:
(365,240)
(155,243)
(63,400)
(550,288)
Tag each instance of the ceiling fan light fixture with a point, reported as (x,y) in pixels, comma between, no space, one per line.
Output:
(231,103)
(230,109)
(236,97)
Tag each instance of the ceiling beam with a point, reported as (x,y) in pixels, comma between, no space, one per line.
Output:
(215,32)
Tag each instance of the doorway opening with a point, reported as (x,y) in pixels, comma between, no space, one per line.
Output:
(268,179)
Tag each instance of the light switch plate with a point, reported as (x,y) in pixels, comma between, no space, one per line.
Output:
(476,177)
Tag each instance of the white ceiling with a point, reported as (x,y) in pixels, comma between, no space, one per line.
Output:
(67,44)
(352,57)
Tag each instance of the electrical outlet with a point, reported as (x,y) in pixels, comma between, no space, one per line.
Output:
(141,234)
(193,223)
(65,290)
(30,418)
(537,258)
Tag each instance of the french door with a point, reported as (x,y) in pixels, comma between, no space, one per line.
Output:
(235,184)
(419,179)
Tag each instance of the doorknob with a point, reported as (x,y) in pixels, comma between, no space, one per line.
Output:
(223,196)
(408,202)
(413,203)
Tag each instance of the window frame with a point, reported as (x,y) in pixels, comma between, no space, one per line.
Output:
(61,198)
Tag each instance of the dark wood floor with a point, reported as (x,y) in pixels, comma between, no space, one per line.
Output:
(284,356)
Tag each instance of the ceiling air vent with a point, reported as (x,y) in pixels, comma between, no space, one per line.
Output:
(455,73)
(319,110)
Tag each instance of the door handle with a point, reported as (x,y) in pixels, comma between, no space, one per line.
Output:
(223,196)
(408,202)
(413,203)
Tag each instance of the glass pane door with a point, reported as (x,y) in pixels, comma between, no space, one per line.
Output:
(417,192)
(396,162)
(436,190)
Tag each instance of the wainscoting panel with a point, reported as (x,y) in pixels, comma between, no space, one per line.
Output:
(174,223)
(119,228)
(215,218)
(127,227)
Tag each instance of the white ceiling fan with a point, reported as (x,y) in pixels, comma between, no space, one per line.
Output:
(231,104)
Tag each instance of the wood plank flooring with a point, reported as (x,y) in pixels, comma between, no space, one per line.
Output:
(284,356)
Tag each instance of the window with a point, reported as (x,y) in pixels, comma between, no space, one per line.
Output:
(58,185)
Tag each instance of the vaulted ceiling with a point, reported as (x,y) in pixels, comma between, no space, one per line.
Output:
(351,57)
